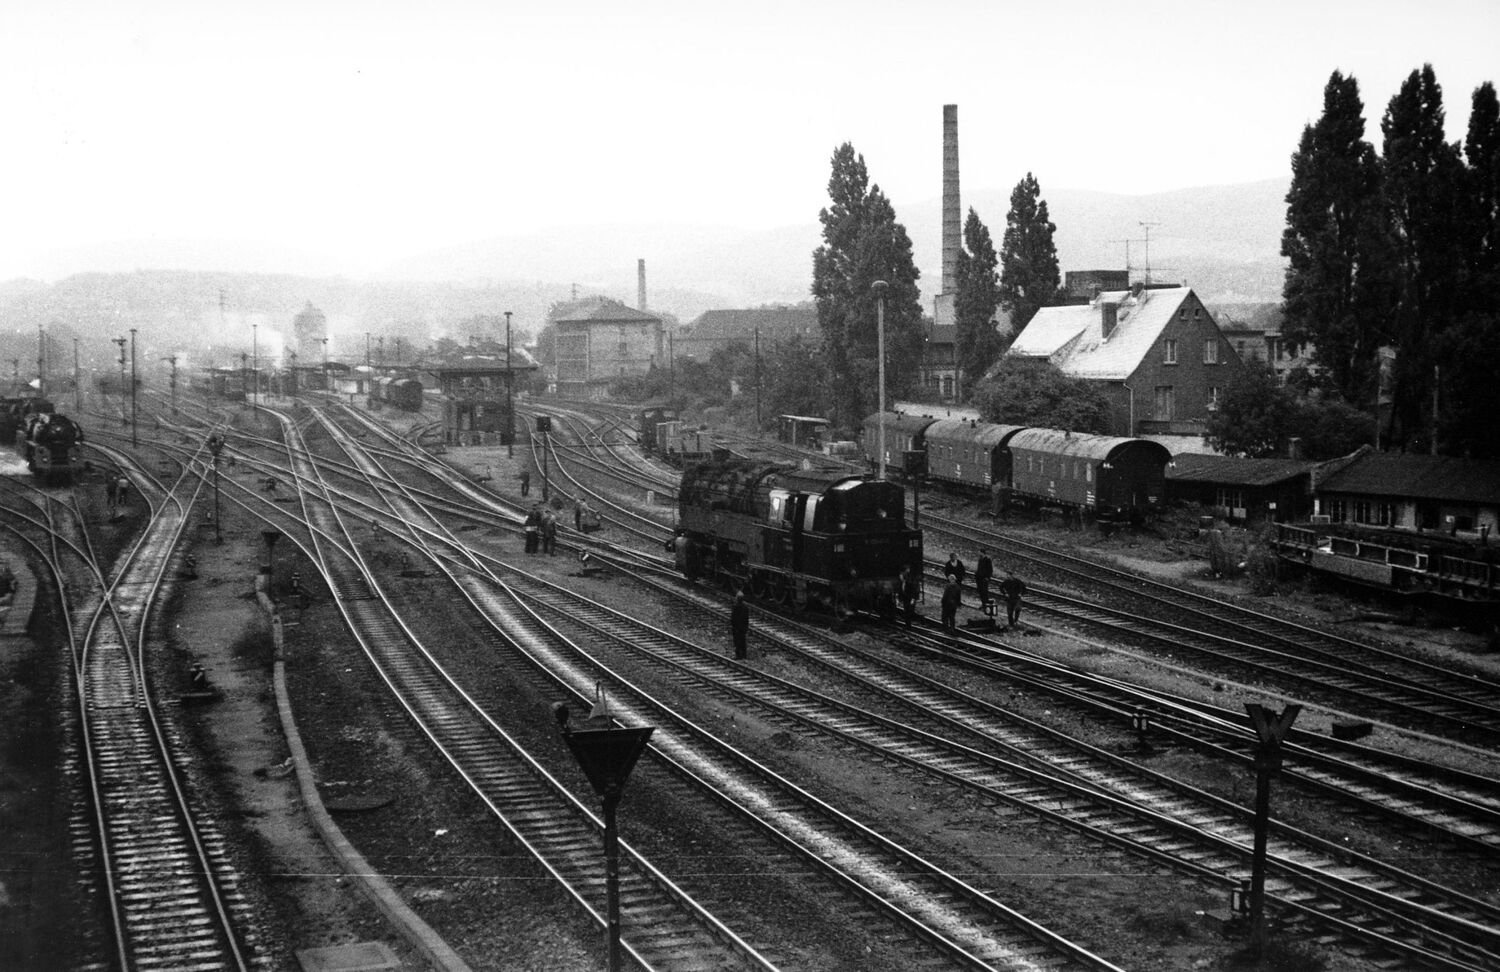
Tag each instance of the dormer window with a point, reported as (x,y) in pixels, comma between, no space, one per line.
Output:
(1169,352)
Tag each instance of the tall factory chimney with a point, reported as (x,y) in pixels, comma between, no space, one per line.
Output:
(640,284)
(943,305)
(952,216)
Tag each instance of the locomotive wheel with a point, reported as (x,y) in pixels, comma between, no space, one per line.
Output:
(758,587)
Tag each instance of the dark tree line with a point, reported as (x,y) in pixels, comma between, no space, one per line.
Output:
(1398,251)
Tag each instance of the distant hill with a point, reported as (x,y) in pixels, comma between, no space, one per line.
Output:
(1224,241)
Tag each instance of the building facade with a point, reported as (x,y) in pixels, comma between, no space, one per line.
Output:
(1156,354)
(600,340)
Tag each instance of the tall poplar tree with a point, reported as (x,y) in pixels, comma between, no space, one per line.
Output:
(1029,278)
(863,243)
(1482,152)
(1424,181)
(1338,288)
(978,344)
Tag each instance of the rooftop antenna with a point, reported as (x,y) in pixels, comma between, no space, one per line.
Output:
(1147,227)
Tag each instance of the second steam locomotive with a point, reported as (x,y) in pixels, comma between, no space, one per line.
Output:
(799,536)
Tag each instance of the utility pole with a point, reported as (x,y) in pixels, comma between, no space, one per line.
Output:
(1147,227)
(133,442)
(879,287)
(41,361)
(367,350)
(255,370)
(757,381)
(77,385)
(510,408)
(325,363)
(671,369)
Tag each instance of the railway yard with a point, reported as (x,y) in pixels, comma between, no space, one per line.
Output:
(290,705)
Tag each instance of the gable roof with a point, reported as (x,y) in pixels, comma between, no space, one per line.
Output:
(1419,477)
(739,324)
(602,309)
(1072,337)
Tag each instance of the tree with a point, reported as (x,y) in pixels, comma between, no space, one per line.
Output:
(1029,277)
(1254,417)
(1338,286)
(1482,152)
(863,243)
(1028,391)
(796,381)
(1424,180)
(978,296)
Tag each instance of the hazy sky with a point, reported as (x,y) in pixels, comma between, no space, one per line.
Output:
(369,131)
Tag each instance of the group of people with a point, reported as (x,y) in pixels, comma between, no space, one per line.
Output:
(541,530)
(1011,589)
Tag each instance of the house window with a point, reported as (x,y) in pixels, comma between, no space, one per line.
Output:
(1197,313)
(1182,314)
(1213,398)
(1169,352)
(1337,511)
(1165,402)
(1231,497)
(1211,351)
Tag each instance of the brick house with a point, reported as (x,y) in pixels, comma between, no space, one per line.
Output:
(1156,354)
(599,340)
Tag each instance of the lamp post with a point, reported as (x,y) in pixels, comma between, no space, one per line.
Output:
(367,349)
(77,385)
(325,363)
(41,361)
(215,444)
(879,287)
(120,342)
(510,408)
(607,756)
(255,367)
(544,429)
(757,381)
(133,442)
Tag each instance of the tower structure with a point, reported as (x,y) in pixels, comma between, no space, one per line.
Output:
(943,309)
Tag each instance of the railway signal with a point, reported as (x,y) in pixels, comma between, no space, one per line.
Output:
(215,444)
(606,757)
(1270,729)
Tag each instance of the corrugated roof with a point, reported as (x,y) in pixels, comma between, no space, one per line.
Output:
(1419,477)
(984,434)
(1235,471)
(1073,336)
(1057,442)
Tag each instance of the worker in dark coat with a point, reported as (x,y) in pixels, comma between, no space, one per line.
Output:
(951,599)
(955,567)
(908,591)
(739,623)
(549,532)
(533,527)
(1012,588)
(983,571)
(525,478)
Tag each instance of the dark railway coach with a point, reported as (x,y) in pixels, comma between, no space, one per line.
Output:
(1109,477)
(797,536)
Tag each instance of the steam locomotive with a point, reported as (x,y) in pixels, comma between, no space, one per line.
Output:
(801,537)
(51,444)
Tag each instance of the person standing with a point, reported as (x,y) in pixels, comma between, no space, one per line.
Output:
(955,567)
(525,478)
(907,592)
(549,533)
(983,571)
(533,528)
(739,623)
(951,599)
(1012,588)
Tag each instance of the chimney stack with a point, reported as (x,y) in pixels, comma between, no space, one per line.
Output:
(952,215)
(640,284)
(1109,316)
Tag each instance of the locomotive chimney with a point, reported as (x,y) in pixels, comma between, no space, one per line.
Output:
(640,284)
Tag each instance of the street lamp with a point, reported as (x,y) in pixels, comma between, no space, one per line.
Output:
(510,408)
(132,388)
(255,369)
(879,287)
(606,757)
(325,362)
(215,444)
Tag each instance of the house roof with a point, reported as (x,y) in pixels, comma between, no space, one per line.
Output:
(1072,336)
(1419,477)
(1060,442)
(1234,471)
(602,309)
(775,323)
